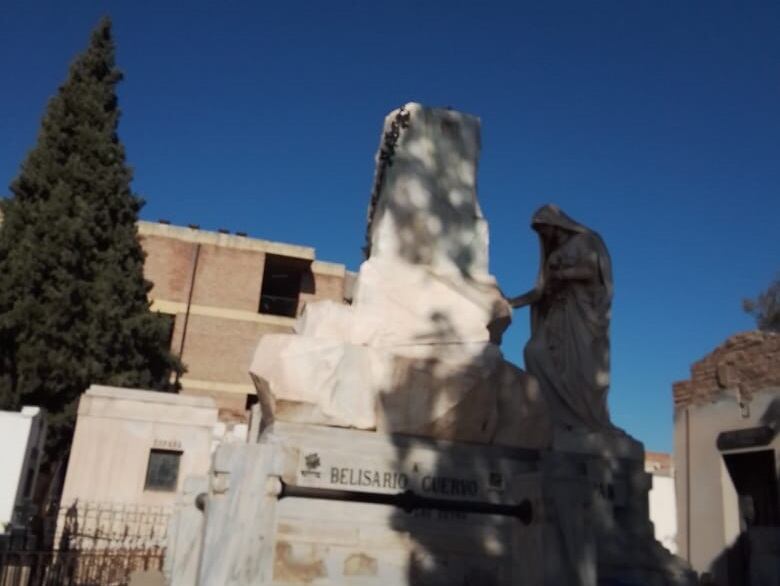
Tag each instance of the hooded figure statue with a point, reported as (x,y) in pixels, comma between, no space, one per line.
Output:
(568,352)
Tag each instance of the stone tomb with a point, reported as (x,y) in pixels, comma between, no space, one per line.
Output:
(310,505)
(321,505)
(393,444)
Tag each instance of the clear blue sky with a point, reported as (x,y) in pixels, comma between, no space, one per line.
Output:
(655,122)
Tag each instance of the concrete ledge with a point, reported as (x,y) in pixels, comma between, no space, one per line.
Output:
(328,268)
(147,396)
(218,386)
(224,240)
(165,306)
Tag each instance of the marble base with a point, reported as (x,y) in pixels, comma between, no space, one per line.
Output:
(324,505)
(604,474)
(259,531)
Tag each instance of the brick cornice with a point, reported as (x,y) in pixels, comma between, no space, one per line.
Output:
(745,363)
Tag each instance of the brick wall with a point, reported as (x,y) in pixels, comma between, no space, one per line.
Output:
(168,266)
(325,287)
(221,349)
(228,277)
(224,325)
(746,362)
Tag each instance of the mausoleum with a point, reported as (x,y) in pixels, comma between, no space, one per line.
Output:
(727,455)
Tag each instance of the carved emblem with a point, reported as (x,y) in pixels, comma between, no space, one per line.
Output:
(312,461)
(496,480)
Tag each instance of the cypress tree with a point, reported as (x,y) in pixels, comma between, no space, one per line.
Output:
(73,300)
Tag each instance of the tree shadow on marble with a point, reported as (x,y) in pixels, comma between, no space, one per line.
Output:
(453,542)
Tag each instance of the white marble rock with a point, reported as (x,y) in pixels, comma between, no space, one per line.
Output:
(416,351)
(427,212)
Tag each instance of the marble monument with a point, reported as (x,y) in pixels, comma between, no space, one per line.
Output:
(417,350)
(394,445)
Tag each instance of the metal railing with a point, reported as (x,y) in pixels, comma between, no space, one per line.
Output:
(75,568)
(84,544)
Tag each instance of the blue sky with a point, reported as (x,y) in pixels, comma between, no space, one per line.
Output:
(657,123)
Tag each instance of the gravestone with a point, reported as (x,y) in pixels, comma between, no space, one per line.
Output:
(394,445)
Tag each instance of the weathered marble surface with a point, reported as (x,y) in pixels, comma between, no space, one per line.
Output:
(425,210)
(597,496)
(185,531)
(589,520)
(415,357)
(417,351)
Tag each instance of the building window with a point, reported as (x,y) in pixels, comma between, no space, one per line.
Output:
(163,470)
(283,278)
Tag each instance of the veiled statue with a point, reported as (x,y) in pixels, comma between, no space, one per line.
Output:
(568,351)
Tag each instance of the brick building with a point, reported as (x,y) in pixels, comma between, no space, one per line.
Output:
(727,458)
(222,291)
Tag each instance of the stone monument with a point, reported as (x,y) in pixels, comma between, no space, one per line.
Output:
(393,444)
(417,350)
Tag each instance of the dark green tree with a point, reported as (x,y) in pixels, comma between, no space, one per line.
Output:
(766,307)
(73,299)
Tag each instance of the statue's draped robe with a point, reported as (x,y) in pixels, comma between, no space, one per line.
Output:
(569,347)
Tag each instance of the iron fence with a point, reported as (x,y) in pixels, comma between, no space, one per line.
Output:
(84,544)
(75,568)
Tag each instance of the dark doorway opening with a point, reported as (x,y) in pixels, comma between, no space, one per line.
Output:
(755,479)
(744,562)
(283,277)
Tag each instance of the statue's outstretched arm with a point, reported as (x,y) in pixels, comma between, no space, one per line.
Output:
(526,298)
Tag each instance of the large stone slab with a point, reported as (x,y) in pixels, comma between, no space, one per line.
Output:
(426,306)
(425,209)
(322,505)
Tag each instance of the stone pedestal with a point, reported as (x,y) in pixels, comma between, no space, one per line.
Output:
(603,475)
(334,506)
(322,505)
